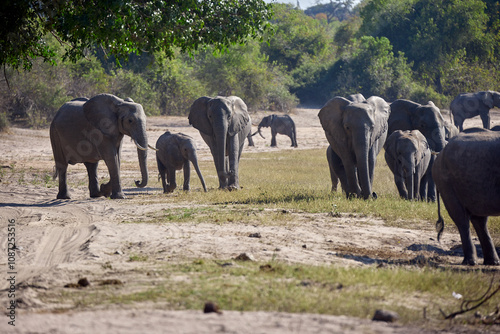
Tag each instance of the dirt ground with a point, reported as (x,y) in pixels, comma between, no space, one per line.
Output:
(59,241)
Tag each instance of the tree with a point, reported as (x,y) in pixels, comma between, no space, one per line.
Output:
(121,27)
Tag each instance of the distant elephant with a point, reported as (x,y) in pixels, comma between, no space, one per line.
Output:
(331,157)
(224,124)
(467,176)
(409,115)
(175,151)
(89,130)
(356,133)
(279,124)
(468,105)
(407,154)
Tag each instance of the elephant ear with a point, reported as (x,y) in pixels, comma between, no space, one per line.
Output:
(390,143)
(198,115)
(423,144)
(486,98)
(403,115)
(331,119)
(102,112)
(239,115)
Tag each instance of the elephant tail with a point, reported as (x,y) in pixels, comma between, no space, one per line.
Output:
(440,221)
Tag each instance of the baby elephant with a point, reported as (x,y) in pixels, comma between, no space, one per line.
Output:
(279,124)
(175,151)
(407,154)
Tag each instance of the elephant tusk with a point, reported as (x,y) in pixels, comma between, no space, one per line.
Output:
(139,146)
(153,148)
(434,153)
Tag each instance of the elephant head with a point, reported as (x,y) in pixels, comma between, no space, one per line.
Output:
(408,115)
(356,132)
(224,123)
(114,118)
(490,98)
(265,123)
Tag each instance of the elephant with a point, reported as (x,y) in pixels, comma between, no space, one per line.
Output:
(408,155)
(356,132)
(409,115)
(468,105)
(175,151)
(467,176)
(224,123)
(89,130)
(331,157)
(279,124)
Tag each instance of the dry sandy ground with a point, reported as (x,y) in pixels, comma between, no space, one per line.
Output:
(60,241)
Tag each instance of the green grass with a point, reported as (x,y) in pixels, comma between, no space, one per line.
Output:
(274,286)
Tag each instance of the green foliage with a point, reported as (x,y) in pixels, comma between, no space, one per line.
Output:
(124,26)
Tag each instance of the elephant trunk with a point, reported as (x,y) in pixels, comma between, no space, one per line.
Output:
(143,157)
(194,160)
(220,130)
(363,167)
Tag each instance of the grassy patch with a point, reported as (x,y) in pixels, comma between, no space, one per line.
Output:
(276,286)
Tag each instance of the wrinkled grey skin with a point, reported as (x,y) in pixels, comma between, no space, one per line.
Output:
(175,151)
(356,133)
(450,130)
(407,154)
(224,124)
(331,156)
(470,189)
(279,124)
(86,131)
(468,105)
(409,115)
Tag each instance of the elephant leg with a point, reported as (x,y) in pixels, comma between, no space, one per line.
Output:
(63,186)
(171,181)
(400,184)
(273,137)
(372,159)
(485,117)
(330,155)
(233,159)
(431,186)
(113,164)
(187,172)
(162,171)
(489,252)
(93,182)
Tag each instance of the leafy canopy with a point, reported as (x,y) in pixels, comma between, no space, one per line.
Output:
(121,27)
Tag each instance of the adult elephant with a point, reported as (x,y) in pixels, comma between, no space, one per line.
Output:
(279,125)
(175,151)
(224,124)
(331,156)
(468,105)
(356,132)
(407,154)
(89,130)
(467,176)
(427,118)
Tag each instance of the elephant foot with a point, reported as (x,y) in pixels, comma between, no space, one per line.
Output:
(233,187)
(469,262)
(105,189)
(118,195)
(63,195)
(374,195)
(96,195)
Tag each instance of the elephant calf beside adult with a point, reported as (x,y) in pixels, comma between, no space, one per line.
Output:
(356,132)
(175,151)
(468,105)
(427,118)
(224,124)
(279,125)
(407,154)
(467,176)
(89,130)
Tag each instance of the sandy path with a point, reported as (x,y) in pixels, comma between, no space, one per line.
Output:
(58,241)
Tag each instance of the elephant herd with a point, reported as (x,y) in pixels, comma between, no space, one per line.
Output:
(414,136)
